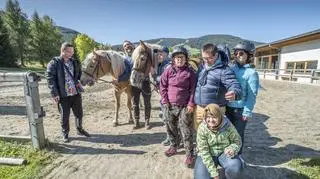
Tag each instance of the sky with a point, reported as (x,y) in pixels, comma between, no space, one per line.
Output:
(113,21)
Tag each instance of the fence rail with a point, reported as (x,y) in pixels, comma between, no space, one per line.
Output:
(33,109)
(291,74)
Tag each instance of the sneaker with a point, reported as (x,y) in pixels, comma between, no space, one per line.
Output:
(189,161)
(166,142)
(83,132)
(65,138)
(170,151)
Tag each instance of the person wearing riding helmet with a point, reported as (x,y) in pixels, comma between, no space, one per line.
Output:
(177,87)
(218,143)
(240,111)
(163,62)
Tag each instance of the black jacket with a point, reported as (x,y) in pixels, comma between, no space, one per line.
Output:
(56,76)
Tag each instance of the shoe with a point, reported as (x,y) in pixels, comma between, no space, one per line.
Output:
(147,124)
(171,151)
(189,161)
(166,142)
(83,132)
(136,125)
(65,138)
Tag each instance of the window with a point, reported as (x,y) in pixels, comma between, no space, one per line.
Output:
(312,64)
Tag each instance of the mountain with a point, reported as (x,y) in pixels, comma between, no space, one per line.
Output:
(196,43)
(68,34)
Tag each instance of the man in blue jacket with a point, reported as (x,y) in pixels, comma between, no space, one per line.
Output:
(216,84)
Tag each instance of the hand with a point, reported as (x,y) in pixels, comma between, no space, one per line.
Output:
(228,152)
(230,96)
(216,177)
(245,118)
(168,106)
(190,109)
(56,99)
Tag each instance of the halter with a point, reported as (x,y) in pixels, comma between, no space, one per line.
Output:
(96,69)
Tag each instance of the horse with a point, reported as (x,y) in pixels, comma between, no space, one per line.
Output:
(103,62)
(145,60)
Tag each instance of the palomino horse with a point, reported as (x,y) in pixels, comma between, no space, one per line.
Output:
(103,62)
(144,61)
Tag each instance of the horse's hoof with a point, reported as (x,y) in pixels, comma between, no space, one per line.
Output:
(131,122)
(115,124)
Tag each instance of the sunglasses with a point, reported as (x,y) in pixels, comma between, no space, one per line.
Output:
(241,53)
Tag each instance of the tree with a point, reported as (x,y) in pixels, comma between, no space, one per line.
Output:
(6,56)
(104,46)
(45,39)
(18,28)
(84,45)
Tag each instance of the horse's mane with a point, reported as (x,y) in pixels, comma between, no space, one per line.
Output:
(115,59)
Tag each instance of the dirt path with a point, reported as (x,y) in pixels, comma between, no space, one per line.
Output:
(286,125)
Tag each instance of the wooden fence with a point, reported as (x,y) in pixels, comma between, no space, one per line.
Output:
(33,109)
(310,75)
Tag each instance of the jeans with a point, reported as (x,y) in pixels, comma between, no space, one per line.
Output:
(232,167)
(235,116)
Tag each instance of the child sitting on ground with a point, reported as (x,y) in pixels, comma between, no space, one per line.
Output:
(218,143)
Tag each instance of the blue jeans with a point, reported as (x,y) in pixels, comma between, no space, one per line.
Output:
(235,117)
(232,167)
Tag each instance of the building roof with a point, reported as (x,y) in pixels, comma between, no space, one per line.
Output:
(308,36)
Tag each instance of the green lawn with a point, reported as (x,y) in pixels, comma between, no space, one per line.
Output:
(36,160)
(307,167)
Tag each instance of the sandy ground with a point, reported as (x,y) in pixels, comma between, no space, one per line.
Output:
(285,126)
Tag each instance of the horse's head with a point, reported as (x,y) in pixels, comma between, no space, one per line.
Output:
(144,59)
(93,67)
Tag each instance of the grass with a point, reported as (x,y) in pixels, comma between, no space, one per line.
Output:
(307,167)
(36,160)
(30,66)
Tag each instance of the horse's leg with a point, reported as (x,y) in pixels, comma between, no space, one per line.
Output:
(129,104)
(117,95)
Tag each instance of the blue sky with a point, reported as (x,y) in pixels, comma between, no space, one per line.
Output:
(113,21)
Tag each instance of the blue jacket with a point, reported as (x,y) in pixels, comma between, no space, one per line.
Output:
(213,83)
(127,71)
(161,67)
(249,81)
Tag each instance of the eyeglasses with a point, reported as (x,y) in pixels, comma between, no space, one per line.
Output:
(240,53)
(180,56)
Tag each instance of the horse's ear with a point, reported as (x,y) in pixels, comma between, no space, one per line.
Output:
(94,52)
(143,45)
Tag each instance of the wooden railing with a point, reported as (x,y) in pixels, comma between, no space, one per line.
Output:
(33,110)
(291,74)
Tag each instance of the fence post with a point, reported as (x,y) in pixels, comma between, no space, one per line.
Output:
(34,110)
(291,74)
(313,72)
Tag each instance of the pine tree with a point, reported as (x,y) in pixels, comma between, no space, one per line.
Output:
(45,39)
(6,56)
(18,29)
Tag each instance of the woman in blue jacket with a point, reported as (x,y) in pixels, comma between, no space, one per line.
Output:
(240,111)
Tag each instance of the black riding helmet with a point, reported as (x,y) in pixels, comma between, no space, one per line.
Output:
(247,46)
(178,50)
